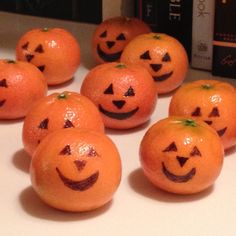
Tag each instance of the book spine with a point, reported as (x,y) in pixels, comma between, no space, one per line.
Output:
(224,44)
(146,10)
(202,34)
(179,22)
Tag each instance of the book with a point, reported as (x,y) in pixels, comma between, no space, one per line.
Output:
(146,10)
(173,17)
(224,44)
(202,34)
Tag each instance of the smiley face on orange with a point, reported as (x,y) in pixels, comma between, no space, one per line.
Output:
(175,155)
(76,169)
(162,55)
(113,34)
(124,94)
(211,101)
(83,184)
(21,85)
(181,161)
(214,113)
(55,51)
(58,111)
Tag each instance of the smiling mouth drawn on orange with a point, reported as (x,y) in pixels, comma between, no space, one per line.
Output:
(108,57)
(178,178)
(162,77)
(118,115)
(81,185)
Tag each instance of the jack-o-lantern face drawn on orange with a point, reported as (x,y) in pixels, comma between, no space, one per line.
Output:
(155,67)
(109,57)
(124,94)
(162,55)
(211,101)
(182,160)
(59,111)
(175,155)
(112,35)
(80,164)
(55,51)
(30,55)
(21,85)
(214,113)
(118,104)
(76,169)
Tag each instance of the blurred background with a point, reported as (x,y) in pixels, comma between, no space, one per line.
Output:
(89,11)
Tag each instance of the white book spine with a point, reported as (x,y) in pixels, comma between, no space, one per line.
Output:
(202,34)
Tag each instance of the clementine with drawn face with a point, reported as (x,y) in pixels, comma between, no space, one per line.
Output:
(124,94)
(55,52)
(113,34)
(58,111)
(176,157)
(76,169)
(162,55)
(211,101)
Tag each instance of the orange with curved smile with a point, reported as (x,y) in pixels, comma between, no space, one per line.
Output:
(76,169)
(124,94)
(21,85)
(80,185)
(55,51)
(118,115)
(59,111)
(113,34)
(175,155)
(162,55)
(178,178)
(211,101)
(108,57)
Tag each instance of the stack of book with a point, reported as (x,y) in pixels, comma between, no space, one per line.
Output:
(206,28)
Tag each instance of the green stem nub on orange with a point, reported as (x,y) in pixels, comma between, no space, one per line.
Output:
(45,29)
(157,36)
(11,61)
(121,66)
(189,122)
(62,95)
(207,86)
